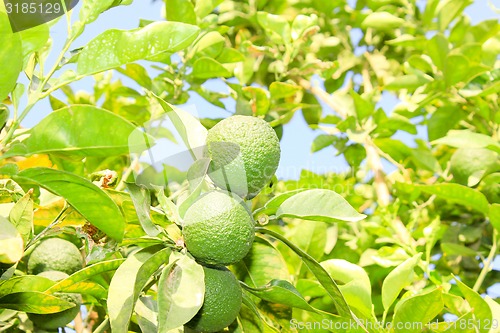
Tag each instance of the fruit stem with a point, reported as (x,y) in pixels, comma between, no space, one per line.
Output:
(57,220)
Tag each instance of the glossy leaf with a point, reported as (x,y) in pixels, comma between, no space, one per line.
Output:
(19,284)
(482,311)
(11,243)
(321,274)
(114,48)
(319,205)
(142,203)
(281,292)
(382,21)
(206,68)
(21,216)
(399,278)
(72,282)
(81,130)
(85,197)
(196,178)
(180,11)
(494,216)
(414,312)
(130,278)
(34,302)
(276,26)
(468,139)
(356,286)
(283,90)
(262,264)
(192,132)
(180,292)
(203,8)
(11,56)
(459,194)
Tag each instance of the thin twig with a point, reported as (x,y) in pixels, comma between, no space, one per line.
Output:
(324,96)
(487,263)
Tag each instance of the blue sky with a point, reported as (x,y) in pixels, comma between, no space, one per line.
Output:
(297,136)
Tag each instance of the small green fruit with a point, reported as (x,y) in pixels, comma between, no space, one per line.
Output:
(222,301)
(55,254)
(218,229)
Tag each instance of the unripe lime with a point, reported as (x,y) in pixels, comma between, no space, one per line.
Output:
(469,165)
(245,153)
(55,254)
(218,228)
(222,301)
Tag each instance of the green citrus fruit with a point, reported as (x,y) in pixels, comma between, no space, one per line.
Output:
(59,319)
(55,254)
(245,153)
(218,228)
(222,301)
(469,165)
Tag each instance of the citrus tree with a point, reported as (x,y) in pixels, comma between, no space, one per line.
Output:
(99,235)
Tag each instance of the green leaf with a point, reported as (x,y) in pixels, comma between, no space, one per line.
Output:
(79,282)
(482,312)
(319,205)
(399,278)
(259,101)
(146,310)
(34,302)
(302,24)
(114,48)
(363,107)
(444,119)
(83,131)
(11,243)
(180,292)
(92,8)
(196,178)
(494,216)
(322,141)
(34,39)
(382,21)
(276,26)
(262,264)
(11,57)
(356,286)
(281,292)
(180,11)
(468,139)
(283,90)
(142,203)
(410,82)
(458,193)
(18,284)
(273,204)
(137,73)
(457,249)
(130,278)
(21,216)
(205,7)
(321,274)
(449,10)
(206,68)
(413,313)
(455,69)
(85,197)
(210,45)
(191,131)
(438,49)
